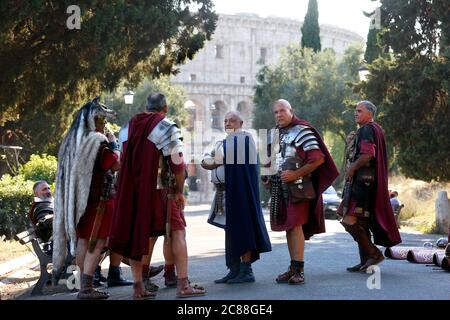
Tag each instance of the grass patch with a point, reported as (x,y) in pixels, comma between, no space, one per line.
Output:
(11,249)
(419,198)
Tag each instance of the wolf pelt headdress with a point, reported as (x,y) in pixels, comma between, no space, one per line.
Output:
(76,159)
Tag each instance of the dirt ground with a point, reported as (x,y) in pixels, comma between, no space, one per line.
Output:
(18,282)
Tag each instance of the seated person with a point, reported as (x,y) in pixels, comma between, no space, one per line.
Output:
(41,211)
(395,203)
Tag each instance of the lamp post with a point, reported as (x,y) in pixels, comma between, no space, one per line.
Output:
(363,73)
(129,97)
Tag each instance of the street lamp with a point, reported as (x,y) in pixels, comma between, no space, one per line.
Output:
(129,96)
(189,105)
(363,73)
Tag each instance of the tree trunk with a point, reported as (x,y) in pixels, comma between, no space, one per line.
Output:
(442,213)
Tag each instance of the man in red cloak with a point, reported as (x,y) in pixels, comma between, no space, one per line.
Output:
(366,206)
(152,163)
(301,143)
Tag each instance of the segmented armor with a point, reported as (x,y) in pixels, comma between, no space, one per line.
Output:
(285,142)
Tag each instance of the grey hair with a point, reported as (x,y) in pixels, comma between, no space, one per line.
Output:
(236,113)
(369,106)
(37,184)
(284,103)
(156,102)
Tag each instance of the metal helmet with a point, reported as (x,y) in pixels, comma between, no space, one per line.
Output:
(441,242)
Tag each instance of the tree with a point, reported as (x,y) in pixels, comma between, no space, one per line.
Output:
(314,83)
(373,50)
(310,29)
(49,71)
(411,87)
(175,96)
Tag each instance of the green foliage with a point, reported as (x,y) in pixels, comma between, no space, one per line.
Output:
(373,50)
(316,86)
(336,146)
(15,200)
(40,167)
(175,95)
(310,28)
(411,86)
(49,71)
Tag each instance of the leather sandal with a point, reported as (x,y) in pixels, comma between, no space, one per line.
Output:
(140,293)
(297,278)
(284,277)
(150,286)
(92,294)
(153,271)
(186,290)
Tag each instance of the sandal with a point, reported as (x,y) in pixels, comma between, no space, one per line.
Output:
(186,290)
(150,286)
(153,271)
(92,294)
(140,293)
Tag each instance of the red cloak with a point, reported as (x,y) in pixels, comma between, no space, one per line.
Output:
(136,217)
(322,178)
(384,227)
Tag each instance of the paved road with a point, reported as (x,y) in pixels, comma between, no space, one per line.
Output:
(327,256)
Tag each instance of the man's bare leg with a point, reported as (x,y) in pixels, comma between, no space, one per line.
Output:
(139,291)
(179,249)
(82,245)
(148,257)
(296,244)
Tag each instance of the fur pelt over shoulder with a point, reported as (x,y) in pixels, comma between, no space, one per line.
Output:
(76,159)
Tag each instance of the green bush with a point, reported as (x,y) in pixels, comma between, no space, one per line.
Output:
(40,167)
(15,200)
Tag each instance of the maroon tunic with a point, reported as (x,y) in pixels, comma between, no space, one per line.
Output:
(139,209)
(310,214)
(103,163)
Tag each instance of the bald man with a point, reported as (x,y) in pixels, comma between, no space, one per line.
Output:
(236,206)
(300,159)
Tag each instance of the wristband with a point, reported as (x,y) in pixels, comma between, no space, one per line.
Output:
(113,146)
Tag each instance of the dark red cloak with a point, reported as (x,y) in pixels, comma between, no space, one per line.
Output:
(384,227)
(135,216)
(322,178)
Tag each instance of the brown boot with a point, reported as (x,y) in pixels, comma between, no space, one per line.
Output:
(87,292)
(375,258)
(361,235)
(363,260)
